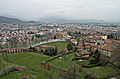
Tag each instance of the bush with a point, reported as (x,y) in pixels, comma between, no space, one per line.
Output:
(78,58)
(8,70)
(90,65)
(57,56)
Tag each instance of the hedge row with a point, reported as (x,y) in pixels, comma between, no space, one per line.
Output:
(57,56)
(90,65)
(78,58)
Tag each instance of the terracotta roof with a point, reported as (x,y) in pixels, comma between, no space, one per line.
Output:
(107,48)
(74,40)
(80,47)
(86,56)
(80,50)
(109,41)
(78,54)
(20,68)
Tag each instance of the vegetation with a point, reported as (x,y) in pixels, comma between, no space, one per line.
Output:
(3,63)
(78,38)
(60,44)
(51,51)
(25,74)
(69,47)
(101,72)
(62,66)
(25,59)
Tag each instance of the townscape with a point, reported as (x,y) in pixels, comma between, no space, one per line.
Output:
(59,39)
(90,45)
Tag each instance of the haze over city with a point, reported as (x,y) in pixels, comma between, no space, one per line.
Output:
(74,9)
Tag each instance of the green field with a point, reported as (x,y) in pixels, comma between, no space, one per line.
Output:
(3,63)
(101,72)
(25,59)
(60,44)
(32,62)
(66,61)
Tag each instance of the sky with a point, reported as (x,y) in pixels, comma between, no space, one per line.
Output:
(75,9)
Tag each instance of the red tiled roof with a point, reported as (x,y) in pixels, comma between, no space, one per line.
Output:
(78,54)
(86,56)
(109,41)
(74,40)
(108,48)
(80,47)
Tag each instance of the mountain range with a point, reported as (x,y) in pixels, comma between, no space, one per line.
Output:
(49,19)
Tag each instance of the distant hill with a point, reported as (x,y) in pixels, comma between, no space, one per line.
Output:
(10,20)
(68,20)
(50,19)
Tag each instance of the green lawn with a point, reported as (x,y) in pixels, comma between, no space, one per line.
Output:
(101,72)
(31,61)
(66,61)
(3,63)
(25,59)
(59,44)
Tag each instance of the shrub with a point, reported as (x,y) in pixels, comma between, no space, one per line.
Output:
(78,58)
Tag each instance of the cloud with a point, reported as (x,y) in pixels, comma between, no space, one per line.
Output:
(31,9)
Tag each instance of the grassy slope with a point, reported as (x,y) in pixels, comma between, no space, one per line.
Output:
(66,61)
(59,44)
(25,59)
(101,72)
(3,63)
(21,74)
(97,72)
(32,59)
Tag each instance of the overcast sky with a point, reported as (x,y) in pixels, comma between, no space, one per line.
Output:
(76,9)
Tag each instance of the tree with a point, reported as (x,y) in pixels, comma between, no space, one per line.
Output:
(110,36)
(69,47)
(51,51)
(92,60)
(56,50)
(55,37)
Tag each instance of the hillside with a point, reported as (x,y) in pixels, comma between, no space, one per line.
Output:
(60,67)
(10,20)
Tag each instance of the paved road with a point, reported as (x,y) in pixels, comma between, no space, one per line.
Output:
(49,41)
